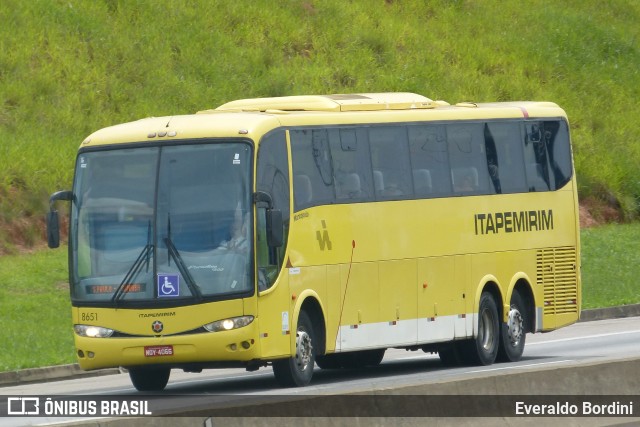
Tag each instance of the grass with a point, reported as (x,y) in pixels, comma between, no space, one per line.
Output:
(36,312)
(36,315)
(70,67)
(610,265)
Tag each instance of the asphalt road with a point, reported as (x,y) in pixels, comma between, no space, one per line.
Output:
(578,345)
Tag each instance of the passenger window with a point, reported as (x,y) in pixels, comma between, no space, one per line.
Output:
(559,149)
(390,161)
(535,157)
(468,159)
(504,157)
(351,167)
(547,155)
(429,160)
(312,168)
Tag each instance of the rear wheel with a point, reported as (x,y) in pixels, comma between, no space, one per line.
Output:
(297,371)
(149,379)
(513,333)
(450,354)
(483,349)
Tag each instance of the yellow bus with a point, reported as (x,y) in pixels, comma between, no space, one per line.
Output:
(304,230)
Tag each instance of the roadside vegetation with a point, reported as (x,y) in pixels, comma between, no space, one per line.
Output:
(610,265)
(70,67)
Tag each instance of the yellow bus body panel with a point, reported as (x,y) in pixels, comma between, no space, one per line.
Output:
(392,273)
(187,348)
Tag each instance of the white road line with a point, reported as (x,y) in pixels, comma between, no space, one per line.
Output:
(419,357)
(531,365)
(583,338)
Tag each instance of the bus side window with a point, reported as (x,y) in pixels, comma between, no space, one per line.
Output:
(535,154)
(505,157)
(390,160)
(559,150)
(312,168)
(352,175)
(468,158)
(465,180)
(272,178)
(302,190)
(429,160)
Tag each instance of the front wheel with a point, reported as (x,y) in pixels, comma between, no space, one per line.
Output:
(513,332)
(329,361)
(297,371)
(483,349)
(149,379)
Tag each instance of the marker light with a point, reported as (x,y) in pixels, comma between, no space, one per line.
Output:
(228,324)
(92,331)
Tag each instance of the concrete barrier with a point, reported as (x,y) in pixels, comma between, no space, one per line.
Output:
(49,373)
(616,379)
(631,310)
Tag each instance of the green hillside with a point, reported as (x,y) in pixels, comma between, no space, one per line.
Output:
(70,67)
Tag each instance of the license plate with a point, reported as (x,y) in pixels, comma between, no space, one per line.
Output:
(158,350)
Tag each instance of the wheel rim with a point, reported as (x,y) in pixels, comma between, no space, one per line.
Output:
(487,332)
(515,326)
(303,350)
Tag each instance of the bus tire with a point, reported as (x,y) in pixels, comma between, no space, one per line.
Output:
(513,332)
(297,371)
(329,361)
(373,357)
(149,379)
(449,354)
(363,358)
(483,349)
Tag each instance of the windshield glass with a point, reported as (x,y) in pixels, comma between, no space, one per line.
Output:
(162,223)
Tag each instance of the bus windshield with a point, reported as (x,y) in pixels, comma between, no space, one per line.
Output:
(167,225)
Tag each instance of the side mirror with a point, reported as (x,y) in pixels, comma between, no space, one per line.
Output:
(53,229)
(275,224)
(275,228)
(53,222)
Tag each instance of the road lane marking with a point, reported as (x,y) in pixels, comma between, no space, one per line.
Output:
(584,337)
(531,365)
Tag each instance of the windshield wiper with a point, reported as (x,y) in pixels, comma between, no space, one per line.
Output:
(144,256)
(121,290)
(173,253)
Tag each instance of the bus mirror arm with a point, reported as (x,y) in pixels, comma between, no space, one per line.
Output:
(53,222)
(263,197)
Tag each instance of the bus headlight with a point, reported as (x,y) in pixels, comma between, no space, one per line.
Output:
(228,324)
(92,331)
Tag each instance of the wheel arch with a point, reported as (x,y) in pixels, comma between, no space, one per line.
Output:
(522,285)
(489,284)
(309,302)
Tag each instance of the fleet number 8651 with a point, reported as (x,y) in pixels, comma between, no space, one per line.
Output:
(89,317)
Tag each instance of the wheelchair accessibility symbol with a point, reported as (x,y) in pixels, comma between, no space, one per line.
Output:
(168,285)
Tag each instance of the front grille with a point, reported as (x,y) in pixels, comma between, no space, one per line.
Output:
(118,334)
